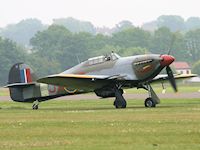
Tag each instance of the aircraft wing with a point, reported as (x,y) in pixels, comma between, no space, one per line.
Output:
(75,81)
(162,78)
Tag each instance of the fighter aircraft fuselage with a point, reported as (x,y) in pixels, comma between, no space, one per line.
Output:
(137,68)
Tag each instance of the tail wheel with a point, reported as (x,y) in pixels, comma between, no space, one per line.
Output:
(35,106)
(149,102)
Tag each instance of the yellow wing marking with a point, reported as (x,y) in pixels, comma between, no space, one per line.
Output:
(74,76)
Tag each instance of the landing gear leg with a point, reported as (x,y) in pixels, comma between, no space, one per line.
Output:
(35,105)
(153,99)
(119,102)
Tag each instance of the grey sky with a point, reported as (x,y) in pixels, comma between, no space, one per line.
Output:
(99,12)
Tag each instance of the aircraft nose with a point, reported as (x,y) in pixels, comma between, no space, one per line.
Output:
(166,60)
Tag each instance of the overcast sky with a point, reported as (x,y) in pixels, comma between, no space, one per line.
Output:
(99,12)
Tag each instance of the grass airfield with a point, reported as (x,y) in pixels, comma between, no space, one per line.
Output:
(96,124)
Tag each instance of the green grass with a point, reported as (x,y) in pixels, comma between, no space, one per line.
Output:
(96,124)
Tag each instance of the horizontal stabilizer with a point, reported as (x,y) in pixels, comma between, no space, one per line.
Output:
(18,85)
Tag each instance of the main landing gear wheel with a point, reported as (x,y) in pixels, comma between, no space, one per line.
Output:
(120,104)
(149,102)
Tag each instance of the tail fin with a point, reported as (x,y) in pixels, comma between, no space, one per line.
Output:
(21,73)
(22,83)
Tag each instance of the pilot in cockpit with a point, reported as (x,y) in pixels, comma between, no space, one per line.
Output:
(107,57)
(113,56)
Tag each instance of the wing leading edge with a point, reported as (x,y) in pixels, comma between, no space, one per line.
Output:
(161,78)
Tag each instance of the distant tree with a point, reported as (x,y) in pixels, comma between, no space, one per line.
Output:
(123,25)
(75,25)
(53,43)
(196,67)
(150,26)
(96,44)
(132,37)
(164,41)
(121,51)
(49,42)
(161,41)
(192,23)
(59,44)
(43,66)
(107,49)
(192,40)
(23,31)
(10,54)
(179,49)
(131,51)
(174,23)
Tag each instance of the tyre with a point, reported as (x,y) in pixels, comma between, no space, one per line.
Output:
(149,102)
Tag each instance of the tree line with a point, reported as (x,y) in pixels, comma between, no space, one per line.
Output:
(56,48)
(24,30)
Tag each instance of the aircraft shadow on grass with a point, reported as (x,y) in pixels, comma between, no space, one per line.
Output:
(77,109)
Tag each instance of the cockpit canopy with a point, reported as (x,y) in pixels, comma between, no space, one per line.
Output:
(105,58)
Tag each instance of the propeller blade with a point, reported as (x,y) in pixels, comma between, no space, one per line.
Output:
(171,78)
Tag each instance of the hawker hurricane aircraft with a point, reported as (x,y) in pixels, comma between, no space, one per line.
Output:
(107,76)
